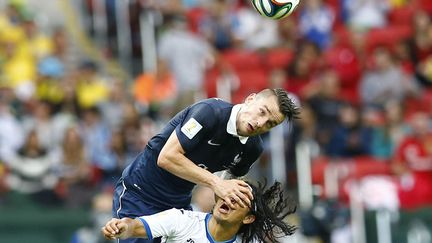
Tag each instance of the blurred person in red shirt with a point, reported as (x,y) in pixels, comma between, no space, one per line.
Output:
(413,163)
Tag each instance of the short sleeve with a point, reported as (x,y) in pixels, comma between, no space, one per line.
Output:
(161,224)
(198,124)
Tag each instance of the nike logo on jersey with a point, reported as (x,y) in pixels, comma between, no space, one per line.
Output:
(211,143)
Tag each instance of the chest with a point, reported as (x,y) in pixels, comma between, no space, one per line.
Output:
(218,153)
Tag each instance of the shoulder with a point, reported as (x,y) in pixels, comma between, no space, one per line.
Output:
(215,103)
(213,107)
(187,214)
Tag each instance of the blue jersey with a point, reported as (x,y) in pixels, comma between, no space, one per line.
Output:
(202,132)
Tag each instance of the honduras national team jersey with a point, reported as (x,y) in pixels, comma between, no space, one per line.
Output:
(180,226)
(207,133)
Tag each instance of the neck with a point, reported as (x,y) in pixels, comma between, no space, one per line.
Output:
(220,231)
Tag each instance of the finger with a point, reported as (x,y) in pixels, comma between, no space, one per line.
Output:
(242,183)
(244,199)
(116,226)
(106,233)
(112,228)
(237,201)
(247,191)
(228,202)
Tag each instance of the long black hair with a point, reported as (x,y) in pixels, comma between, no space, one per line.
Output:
(270,209)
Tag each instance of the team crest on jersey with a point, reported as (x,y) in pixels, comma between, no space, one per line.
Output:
(237,159)
(191,128)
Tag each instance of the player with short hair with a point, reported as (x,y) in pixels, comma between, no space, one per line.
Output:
(209,136)
(263,222)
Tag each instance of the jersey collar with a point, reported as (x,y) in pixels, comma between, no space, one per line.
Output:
(209,237)
(231,125)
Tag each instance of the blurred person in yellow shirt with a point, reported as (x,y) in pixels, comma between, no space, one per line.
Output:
(18,66)
(91,88)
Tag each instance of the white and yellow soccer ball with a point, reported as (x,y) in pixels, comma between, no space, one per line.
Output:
(275,9)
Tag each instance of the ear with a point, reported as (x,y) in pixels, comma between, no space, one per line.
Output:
(250,98)
(249,219)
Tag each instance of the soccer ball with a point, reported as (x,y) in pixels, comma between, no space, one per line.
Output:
(275,9)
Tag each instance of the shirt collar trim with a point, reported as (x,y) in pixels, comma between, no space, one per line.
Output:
(209,237)
(231,125)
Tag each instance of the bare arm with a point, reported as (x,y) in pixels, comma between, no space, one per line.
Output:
(124,228)
(172,159)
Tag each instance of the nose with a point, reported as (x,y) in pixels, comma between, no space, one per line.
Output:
(260,123)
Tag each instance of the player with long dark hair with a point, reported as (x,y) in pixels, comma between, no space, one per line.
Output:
(270,209)
(264,221)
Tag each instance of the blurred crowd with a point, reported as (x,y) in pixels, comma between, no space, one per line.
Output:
(361,70)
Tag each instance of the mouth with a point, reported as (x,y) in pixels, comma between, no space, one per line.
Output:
(224,209)
(250,128)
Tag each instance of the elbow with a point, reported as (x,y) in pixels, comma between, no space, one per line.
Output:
(164,161)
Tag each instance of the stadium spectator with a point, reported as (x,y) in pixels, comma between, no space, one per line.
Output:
(220,24)
(325,105)
(11,134)
(33,171)
(97,137)
(209,136)
(389,132)
(187,56)
(350,138)
(413,163)
(91,88)
(40,119)
(75,170)
(316,22)
(385,81)
(363,15)
(262,222)
(156,90)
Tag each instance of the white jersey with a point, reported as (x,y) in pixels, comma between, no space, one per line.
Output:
(180,226)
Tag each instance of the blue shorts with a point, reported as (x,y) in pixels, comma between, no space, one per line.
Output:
(126,203)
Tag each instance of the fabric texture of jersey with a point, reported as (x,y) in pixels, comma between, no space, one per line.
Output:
(202,132)
(180,226)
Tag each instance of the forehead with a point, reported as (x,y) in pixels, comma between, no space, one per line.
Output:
(271,103)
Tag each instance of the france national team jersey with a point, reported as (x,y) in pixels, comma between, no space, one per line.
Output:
(207,133)
(180,226)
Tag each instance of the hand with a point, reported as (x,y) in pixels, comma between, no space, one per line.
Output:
(115,228)
(234,191)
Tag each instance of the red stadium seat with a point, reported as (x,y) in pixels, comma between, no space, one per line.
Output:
(210,82)
(345,63)
(425,5)
(251,80)
(401,16)
(352,168)
(242,59)
(387,36)
(279,58)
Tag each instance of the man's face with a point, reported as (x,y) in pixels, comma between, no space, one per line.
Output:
(226,215)
(258,115)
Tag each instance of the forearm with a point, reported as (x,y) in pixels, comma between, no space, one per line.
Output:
(184,168)
(124,228)
(172,159)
